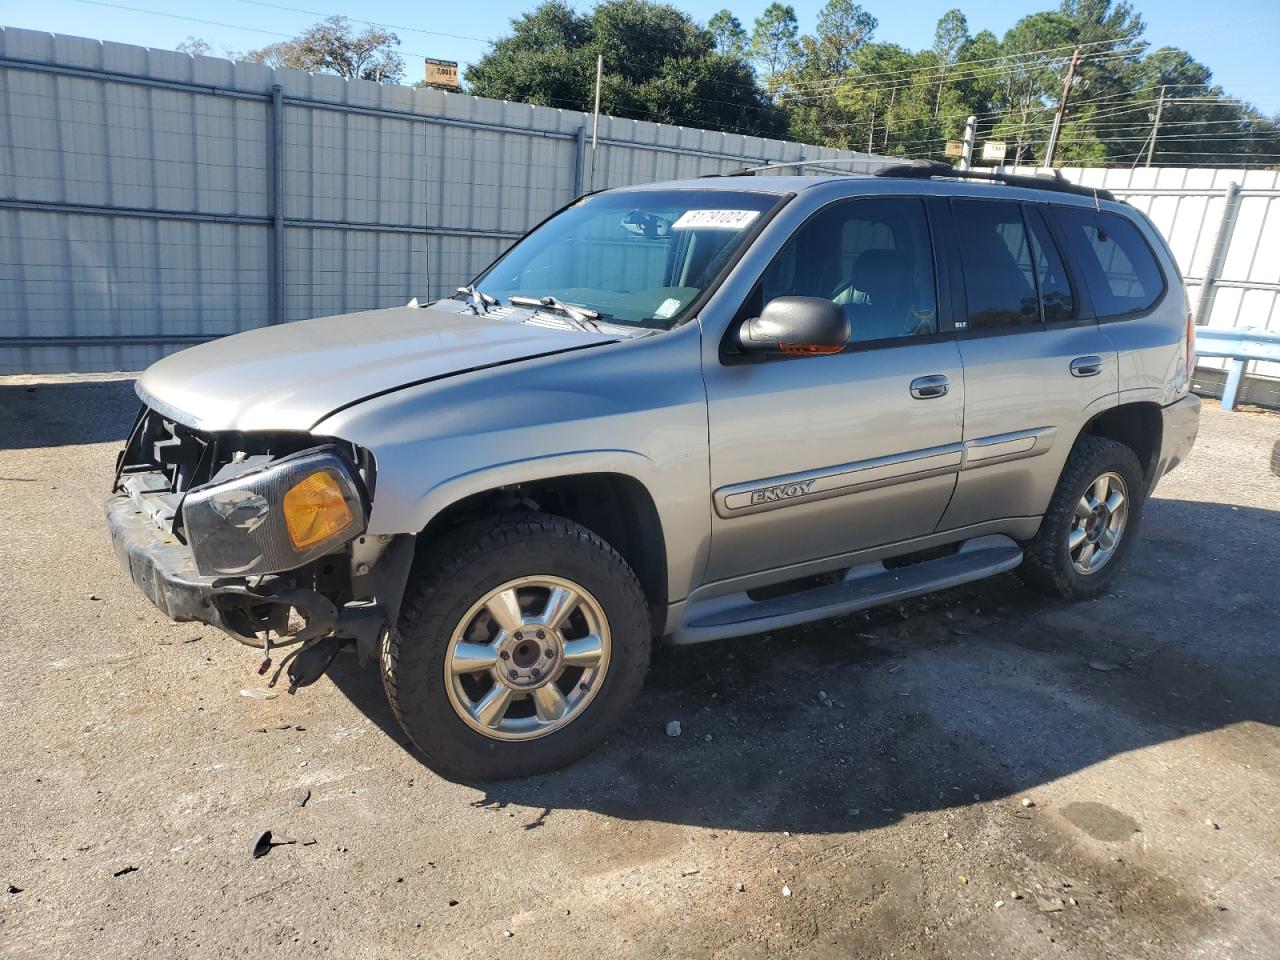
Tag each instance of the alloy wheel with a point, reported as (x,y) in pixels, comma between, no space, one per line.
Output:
(1098,523)
(527,658)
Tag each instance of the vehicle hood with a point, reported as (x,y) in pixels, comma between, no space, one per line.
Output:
(290,377)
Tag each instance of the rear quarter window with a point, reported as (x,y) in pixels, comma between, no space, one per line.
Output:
(1118,264)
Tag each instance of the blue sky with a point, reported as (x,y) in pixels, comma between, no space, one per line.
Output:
(1236,38)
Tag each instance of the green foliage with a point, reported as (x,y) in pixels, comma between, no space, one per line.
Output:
(659,65)
(840,87)
(890,100)
(730,37)
(774,41)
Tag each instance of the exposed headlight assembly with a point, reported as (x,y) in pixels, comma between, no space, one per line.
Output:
(277,517)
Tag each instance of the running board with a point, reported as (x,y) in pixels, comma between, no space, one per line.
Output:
(869,585)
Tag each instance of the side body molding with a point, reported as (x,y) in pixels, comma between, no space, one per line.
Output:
(772,493)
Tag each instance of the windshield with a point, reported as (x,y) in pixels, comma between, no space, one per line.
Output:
(639,257)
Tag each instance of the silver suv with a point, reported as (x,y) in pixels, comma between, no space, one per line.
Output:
(689,411)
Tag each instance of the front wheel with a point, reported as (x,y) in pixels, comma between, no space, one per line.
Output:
(1091,520)
(522,642)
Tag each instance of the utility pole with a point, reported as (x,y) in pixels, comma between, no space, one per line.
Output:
(871,131)
(595,124)
(1155,127)
(1062,108)
(970,128)
(893,95)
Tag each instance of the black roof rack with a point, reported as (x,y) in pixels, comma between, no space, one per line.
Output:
(928,169)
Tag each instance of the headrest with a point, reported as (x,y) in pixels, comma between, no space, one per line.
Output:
(881,270)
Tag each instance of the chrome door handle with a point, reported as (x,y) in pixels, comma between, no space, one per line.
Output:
(1086,366)
(926,388)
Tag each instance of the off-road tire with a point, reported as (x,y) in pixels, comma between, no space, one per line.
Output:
(447,580)
(1046,560)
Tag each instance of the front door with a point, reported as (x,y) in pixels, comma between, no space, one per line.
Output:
(814,457)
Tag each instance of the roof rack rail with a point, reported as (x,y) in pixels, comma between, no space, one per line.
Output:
(928,169)
(783,164)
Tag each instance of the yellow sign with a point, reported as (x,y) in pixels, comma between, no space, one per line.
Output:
(442,73)
(955,148)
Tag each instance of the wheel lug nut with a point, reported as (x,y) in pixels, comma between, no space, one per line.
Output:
(519,635)
(504,655)
(542,635)
(534,673)
(512,674)
(549,652)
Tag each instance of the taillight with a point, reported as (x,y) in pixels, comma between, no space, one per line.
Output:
(1191,345)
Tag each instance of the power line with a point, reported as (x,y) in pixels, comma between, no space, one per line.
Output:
(205,22)
(817,91)
(999,62)
(1004,61)
(964,71)
(370,23)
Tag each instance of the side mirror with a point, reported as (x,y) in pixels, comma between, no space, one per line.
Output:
(796,326)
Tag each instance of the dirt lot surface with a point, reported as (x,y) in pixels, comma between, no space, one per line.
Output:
(984,774)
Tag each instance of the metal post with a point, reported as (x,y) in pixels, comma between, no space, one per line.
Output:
(1221,243)
(595,123)
(1062,109)
(1155,127)
(580,162)
(970,128)
(275,199)
(893,96)
(1236,369)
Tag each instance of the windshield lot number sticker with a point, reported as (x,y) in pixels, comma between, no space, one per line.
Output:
(715,219)
(667,308)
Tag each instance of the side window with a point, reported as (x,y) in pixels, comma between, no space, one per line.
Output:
(872,258)
(1051,276)
(1117,263)
(999,274)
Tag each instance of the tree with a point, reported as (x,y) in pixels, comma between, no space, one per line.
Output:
(949,38)
(658,65)
(775,41)
(331,46)
(843,27)
(1197,125)
(811,84)
(730,37)
(194,46)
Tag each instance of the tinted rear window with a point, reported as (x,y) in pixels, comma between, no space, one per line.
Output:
(999,276)
(1117,263)
(1056,299)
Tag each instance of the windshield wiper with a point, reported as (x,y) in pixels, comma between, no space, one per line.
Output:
(479,301)
(584,317)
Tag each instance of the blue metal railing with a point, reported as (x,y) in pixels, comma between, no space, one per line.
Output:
(1240,346)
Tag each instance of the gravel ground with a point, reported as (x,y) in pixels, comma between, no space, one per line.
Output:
(982,774)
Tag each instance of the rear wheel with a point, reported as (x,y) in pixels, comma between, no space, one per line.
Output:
(522,643)
(1091,520)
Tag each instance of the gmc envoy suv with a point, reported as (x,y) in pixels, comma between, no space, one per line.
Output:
(685,411)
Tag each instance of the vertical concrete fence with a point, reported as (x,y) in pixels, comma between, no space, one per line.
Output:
(150,199)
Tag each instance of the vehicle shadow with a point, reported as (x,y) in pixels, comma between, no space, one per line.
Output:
(65,413)
(980,692)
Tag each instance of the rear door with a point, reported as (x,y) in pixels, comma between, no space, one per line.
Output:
(1037,366)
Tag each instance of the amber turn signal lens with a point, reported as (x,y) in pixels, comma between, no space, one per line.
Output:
(315,510)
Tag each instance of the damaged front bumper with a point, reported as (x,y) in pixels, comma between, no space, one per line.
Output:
(163,568)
